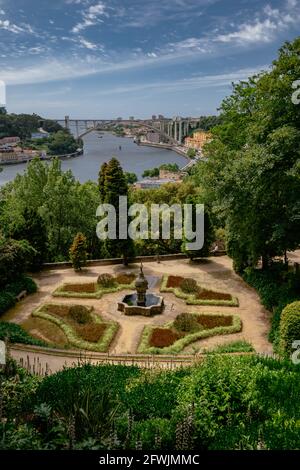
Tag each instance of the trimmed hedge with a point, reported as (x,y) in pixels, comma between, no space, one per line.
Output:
(190,299)
(234,346)
(16,334)
(289,328)
(8,295)
(100,291)
(180,344)
(74,339)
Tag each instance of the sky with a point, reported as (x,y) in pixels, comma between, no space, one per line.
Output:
(105,59)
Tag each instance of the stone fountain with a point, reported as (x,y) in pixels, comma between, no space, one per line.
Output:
(141,302)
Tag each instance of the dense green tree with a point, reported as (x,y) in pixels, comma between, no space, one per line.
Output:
(15,256)
(209,235)
(101,181)
(78,253)
(33,229)
(62,143)
(115,185)
(131,178)
(253,173)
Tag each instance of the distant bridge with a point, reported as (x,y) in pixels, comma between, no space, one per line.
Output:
(173,130)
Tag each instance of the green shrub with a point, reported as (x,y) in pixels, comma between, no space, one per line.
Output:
(189,286)
(186,322)
(9,294)
(17,334)
(7,301)
(80,314)
(289,328)
(276,288)
(106,280)
(232,347)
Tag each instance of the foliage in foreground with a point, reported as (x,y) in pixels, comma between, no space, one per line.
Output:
(224,403)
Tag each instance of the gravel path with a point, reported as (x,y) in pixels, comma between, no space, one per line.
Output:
(215,273)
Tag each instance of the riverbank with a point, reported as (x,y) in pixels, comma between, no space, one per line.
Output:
(166,147)
(27,159)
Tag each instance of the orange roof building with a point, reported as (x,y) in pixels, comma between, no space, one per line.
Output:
(198,139)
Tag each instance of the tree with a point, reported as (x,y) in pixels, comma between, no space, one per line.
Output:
(62,143)
(78,253)
(101,181)
(131,178)
(252,176)
(151,173)
(115,185)
(15,257)
(209,235)
(33,229)
(191,153)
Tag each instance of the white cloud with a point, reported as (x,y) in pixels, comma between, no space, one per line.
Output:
(247,33)
(91,17)
(2,12)
(87,44)
(264,30)
(13,28)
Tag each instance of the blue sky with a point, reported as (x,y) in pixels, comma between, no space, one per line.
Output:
(103,59)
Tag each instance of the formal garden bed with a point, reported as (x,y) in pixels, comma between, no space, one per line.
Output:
(83,328)
(173,337)
(105,284)
(194,294)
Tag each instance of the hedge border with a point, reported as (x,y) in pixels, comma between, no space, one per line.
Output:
(60,292)
(181,343)
(101,346)
(190,298)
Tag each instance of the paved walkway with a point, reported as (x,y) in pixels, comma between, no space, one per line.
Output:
(215,273)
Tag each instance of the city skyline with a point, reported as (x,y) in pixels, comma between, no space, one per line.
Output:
(103,59)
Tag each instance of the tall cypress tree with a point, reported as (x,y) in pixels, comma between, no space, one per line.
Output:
(115,185)
(101,181)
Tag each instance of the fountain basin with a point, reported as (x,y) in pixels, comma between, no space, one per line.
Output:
(154,305)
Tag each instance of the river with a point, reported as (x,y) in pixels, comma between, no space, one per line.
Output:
(99,148)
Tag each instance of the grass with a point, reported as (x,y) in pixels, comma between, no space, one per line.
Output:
(191,299)
(233,346)
(73,332)
(145,348)
(62,291)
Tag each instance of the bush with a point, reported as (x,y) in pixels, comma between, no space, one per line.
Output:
(276,288)
(7,301)
(8,295)
(289,328)
(189,286)
(186,322)
(17,334)
(80,314)
(232,347)
(106,280)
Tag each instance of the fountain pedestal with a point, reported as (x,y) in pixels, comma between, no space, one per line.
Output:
(141,303)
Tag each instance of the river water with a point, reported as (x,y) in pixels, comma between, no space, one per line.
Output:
(99,148)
